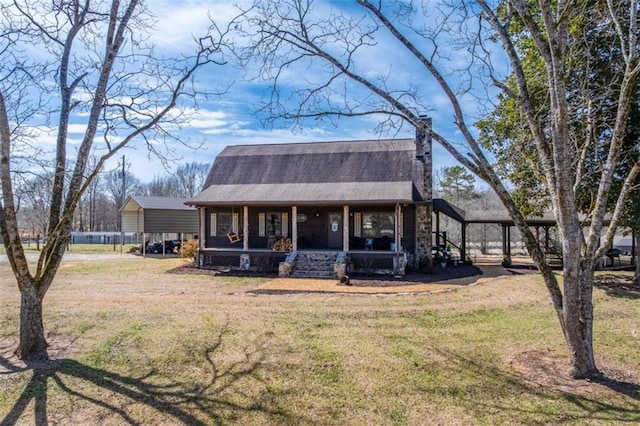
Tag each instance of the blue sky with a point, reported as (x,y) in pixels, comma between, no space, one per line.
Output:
(230,120)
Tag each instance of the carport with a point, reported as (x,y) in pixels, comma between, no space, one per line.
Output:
(159,215)
(502,218)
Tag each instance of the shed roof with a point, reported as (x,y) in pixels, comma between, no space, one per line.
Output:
(315,172)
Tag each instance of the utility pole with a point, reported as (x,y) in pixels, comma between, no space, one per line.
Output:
(121,206)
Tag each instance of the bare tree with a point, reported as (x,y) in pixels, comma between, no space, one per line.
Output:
(96,65)
(35,195)
(160,186)
(339,62)
(113,186)
(189,178)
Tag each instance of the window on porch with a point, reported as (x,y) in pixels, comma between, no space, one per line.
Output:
(378,225)
(273,223)
(223,223)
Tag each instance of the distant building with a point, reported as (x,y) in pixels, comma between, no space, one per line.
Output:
(112,237)
(622,243)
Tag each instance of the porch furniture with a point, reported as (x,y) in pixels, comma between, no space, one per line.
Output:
(234,237)
(613,254)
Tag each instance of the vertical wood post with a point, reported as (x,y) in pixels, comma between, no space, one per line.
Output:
(245,228)
(345,228)
(294,227)
(463,245)
(202,237)
(504,239)
(396,231)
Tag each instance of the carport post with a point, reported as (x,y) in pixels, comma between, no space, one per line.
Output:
(144,244)
(504,239)
(463,246)
(633,247)
(163,245)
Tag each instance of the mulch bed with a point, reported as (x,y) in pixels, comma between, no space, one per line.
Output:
(620,286)
(460,275)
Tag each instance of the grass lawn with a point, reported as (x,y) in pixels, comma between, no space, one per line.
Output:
(134,344)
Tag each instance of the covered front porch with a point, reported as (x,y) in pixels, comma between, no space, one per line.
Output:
(364,237)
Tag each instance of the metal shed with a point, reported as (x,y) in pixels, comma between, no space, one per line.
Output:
(159,215)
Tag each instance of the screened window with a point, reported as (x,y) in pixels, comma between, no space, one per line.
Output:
(377,225)
(274,224)
(225,223)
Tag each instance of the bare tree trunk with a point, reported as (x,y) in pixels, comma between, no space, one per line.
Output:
(33,344)
(578,319)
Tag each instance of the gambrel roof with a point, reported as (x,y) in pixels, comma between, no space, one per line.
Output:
(316,172)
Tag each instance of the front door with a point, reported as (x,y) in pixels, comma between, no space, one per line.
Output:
(335,230)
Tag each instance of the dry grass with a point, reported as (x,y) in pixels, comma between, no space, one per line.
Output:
(134,344)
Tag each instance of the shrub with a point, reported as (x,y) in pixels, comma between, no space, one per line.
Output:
(188,249)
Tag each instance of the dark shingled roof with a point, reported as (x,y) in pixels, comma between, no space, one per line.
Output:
(328,172)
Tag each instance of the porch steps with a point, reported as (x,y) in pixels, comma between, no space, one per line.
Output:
(317,264)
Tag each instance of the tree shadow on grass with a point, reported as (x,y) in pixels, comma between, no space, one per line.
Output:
(617,285)
(220,394)
(605,398)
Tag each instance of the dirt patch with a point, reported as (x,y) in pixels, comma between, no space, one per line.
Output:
(550,370)
(60,347)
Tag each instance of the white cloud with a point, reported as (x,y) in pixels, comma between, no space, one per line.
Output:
(182,21)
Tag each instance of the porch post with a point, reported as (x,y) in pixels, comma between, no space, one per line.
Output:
(245,228)
(396,231)
(345,228)
(294,228)
(202,237)
(401,227)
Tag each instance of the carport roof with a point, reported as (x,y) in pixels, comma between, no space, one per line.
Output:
(498,216)
(136,202)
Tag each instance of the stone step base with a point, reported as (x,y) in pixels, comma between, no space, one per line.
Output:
(314,264)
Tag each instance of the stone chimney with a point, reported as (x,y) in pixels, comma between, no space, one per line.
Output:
(424,210)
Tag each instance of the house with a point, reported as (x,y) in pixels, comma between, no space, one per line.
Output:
(366,204)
